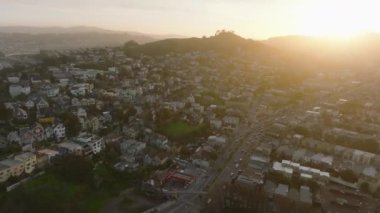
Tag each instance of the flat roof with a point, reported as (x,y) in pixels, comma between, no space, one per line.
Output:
(10,162)
(25,156)
(282,189)
(305,195)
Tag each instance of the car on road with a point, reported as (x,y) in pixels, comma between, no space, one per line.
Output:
(237,165)
(232,174)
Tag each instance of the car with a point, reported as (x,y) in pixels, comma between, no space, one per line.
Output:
(232,174)
(237,165)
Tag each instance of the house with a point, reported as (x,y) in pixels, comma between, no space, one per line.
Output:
(362,157)
(49,132)
(81,89)
(160,141)
(19,89)
(93,124)
(51,154)
(49,90)
(70,148)
(76,102)
(3,142)
(38,132)
(20,114)
(216,123)
(216,140)
(59,131)
(299,155)
(63,78)
(13,78)
(29,104)
(230,122)
(81,112)
(259,161)
(96,143)
(41,103)
(280,196)
(306,201)
(5,172)
(26,136)
(334,198)
(16,167)
(29,160)
(87,149)
(13,137)
(204,164)
(322,159)
(132,147)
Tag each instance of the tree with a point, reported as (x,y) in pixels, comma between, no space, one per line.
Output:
(72,124)
(73,168)
(349,175)
(5,114)
(364,187)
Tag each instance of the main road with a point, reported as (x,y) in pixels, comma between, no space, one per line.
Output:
(190,201)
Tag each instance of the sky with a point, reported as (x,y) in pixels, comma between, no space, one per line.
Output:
(250,18)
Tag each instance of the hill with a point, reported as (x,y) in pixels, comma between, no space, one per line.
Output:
(359,50)
(226,42)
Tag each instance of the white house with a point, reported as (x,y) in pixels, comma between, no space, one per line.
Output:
(216,123)
(71,147)
(20,114)
(14,137)
(50,90)
(29,104)
(29,160)
(42,103)
(18,89)
(59,131)
(16,168)
(12,78)
(5,172)
(96,143)
(132,147)
(230,121)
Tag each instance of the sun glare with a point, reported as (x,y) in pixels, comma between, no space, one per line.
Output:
(337,19)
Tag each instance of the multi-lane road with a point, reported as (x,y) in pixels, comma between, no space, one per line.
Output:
(242,140)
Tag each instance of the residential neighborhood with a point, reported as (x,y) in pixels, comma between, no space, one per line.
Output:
(200,130)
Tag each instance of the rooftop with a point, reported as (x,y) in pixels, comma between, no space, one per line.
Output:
(282,189)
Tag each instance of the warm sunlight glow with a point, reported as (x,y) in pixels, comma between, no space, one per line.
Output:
(338,18)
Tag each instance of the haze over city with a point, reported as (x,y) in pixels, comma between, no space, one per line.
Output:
(258,19)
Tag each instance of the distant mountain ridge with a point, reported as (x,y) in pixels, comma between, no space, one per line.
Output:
(26,39)
(54,30)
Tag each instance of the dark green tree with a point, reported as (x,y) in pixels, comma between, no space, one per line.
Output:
(5,114)
(364,187)
(72,124)
(73,168)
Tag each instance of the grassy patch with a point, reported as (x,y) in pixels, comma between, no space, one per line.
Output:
(179,129)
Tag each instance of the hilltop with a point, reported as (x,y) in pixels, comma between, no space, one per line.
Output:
(226,42)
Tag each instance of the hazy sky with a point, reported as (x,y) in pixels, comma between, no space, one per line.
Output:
(250,18)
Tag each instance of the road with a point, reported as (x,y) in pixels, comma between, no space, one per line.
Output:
(223,166)
(241,142)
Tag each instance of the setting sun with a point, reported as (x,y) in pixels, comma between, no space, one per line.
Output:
(338,18)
